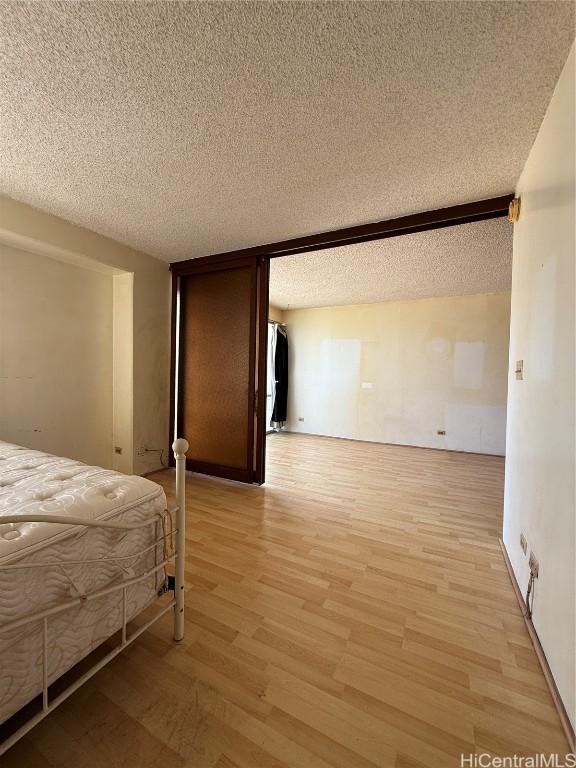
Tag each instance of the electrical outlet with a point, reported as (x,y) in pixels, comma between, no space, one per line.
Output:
(533,564)
(523,543)
(140,451)
(441,432)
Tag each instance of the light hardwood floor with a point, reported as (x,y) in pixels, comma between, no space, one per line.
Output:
(353,612)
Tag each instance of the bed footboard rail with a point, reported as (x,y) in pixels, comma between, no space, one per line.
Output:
(180,446)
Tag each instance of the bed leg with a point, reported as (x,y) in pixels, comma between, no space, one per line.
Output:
(180,446)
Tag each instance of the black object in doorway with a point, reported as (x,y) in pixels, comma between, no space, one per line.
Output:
(279,410)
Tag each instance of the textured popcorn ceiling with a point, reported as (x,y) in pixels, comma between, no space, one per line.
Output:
(185,129)
(470,258)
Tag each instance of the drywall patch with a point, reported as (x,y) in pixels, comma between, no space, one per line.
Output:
(469,364)
(439,348)
(343,356)
(476,427)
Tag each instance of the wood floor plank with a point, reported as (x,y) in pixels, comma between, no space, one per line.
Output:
(353,612)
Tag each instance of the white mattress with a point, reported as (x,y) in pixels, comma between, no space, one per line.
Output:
(37,483)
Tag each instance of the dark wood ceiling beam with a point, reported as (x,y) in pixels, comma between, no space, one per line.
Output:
(480,210)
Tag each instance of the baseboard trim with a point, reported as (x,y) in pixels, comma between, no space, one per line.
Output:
(155,471)
(558,703)
(379,442)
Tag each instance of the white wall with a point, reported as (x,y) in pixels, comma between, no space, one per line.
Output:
(55,357)
(539,494)
(398,372)
(37,232)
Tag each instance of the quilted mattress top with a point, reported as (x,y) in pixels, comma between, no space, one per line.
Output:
(36,483)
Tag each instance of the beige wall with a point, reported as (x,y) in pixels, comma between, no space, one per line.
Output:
(398,372)
(36,232)
(540,487)
(274,313)
(56,356)
(122,371)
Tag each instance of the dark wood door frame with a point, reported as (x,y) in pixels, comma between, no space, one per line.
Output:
(261,386)
(255,459)
(479,210)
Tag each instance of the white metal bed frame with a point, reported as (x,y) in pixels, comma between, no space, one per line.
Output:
(180,446)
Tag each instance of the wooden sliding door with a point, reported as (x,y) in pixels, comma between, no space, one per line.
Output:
(220,363)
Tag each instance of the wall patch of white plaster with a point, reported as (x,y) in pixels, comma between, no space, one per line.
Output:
(339,379)
(439,348)
(476,427)
(468,364)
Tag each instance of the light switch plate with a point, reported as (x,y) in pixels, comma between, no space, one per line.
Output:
(519,370)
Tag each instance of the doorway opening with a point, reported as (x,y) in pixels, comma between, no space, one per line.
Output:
(400,342)
(364,384)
